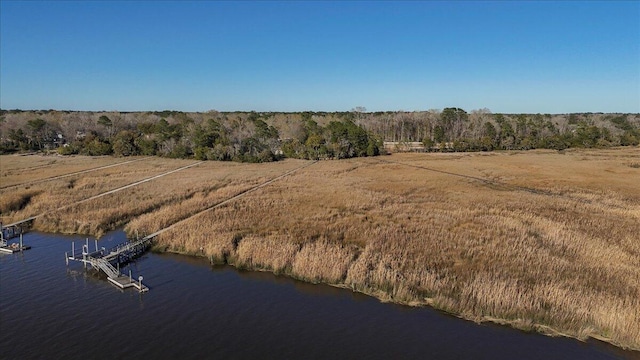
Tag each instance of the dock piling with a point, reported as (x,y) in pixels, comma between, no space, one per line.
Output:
(85,252)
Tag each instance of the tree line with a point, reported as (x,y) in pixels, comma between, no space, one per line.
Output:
(262,137)
(244,137)
(454,129)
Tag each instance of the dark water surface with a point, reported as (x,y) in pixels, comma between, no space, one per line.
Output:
(195,311)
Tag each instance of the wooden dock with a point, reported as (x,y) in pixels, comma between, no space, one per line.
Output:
(14,230)
(109,261)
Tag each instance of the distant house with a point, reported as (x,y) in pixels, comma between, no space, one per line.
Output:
(403,146)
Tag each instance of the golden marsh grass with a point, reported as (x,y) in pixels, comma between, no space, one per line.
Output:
(542,240)
(21,202)
(20,169)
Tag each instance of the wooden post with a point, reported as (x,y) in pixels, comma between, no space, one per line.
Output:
(21,242)
(96,244)
(129,276)
(73,249)
(66,257)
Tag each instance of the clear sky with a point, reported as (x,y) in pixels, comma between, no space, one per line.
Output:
(507,56)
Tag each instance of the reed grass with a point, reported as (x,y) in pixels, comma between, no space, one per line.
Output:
(51,195)
(19,169)
(16,201)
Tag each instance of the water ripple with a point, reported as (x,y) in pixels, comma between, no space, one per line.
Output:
(49,310)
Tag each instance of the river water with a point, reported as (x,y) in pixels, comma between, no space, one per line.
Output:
(193,310)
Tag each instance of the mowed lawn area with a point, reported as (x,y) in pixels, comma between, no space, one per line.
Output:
(542,240)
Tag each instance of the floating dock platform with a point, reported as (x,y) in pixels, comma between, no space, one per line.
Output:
(124,282)
(7,248)
(11,249)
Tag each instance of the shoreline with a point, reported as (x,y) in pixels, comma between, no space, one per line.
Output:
(383,297)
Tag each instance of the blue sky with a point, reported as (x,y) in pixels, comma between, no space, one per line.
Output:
(511,57)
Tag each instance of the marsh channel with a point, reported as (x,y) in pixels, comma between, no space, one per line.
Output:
(195,310)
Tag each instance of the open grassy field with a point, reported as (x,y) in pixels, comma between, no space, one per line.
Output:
(541,240)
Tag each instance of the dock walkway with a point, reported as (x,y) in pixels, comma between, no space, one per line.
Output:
(109,261)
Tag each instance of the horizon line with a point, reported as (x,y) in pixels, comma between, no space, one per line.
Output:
(316,111)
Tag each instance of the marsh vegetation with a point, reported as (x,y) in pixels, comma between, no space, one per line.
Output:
(541,240)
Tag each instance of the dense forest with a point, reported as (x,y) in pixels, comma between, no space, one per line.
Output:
(261,137)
